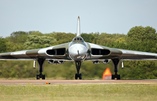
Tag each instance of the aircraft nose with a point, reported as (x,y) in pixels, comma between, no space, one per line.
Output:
(77,51)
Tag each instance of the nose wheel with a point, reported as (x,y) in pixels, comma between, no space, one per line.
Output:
(78,75)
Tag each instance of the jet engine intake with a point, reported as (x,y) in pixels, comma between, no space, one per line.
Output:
(95,51)
(60,51)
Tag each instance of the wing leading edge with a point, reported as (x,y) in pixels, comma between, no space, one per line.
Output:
(53,52)
(130,54)
(112,53)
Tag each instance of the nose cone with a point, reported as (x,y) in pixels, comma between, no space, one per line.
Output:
(77,51)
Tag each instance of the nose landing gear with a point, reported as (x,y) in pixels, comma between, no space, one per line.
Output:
(78,75)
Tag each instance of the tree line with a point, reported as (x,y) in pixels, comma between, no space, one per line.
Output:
(138,38)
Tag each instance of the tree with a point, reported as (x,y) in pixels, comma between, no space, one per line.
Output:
(62,37)
(15,41)
(138,38)
(142,38)
(38,41)
(88,37)
(34,33)
(140,33)
(3,46)
(18,37)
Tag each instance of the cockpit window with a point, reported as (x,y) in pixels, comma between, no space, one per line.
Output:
(78,39)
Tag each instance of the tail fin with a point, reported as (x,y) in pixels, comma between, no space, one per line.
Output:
(78,27)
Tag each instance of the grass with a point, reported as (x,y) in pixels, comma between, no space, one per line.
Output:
(79,92)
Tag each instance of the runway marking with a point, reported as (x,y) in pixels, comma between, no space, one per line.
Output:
(24,82)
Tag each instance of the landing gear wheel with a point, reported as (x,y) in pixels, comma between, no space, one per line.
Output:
(78,76)
(115,77)
(43,77)
(40,76)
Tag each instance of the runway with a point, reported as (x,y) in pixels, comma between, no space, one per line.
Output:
(53,82)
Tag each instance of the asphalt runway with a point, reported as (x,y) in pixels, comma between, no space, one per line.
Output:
(53,82)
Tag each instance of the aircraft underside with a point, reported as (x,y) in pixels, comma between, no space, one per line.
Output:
(78,75)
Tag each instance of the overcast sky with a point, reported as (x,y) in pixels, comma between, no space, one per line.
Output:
(111,16)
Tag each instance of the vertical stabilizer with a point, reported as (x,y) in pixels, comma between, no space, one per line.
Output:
(78,27)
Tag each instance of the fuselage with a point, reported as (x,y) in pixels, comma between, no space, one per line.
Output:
(78,49)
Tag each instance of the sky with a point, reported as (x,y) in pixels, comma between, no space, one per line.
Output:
(46,16)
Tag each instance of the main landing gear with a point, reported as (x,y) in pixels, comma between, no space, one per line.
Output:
(115,76)
(40,75)
(78,75)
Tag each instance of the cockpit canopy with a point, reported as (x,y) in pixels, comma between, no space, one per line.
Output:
(78,39)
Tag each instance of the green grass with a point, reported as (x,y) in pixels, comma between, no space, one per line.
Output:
(79,92)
